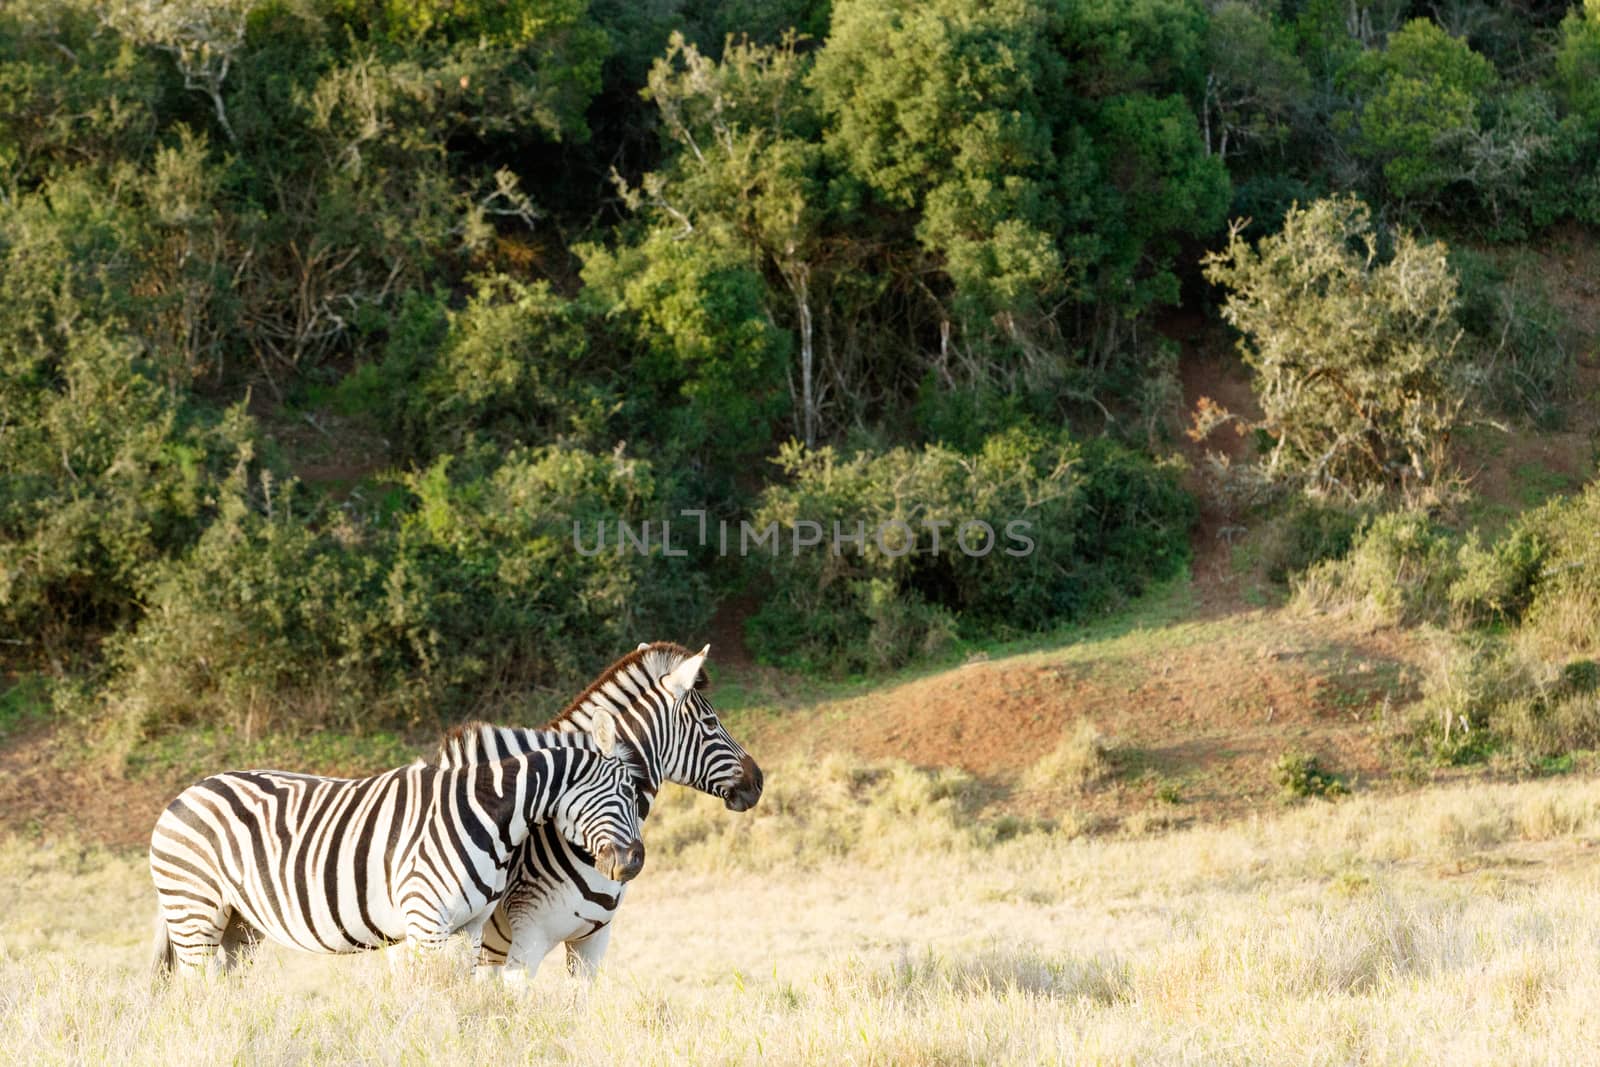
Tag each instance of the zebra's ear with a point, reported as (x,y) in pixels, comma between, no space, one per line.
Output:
(683,676)
(603,728)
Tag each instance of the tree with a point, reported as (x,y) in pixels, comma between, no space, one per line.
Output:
(202,36)
(747,165)
(1421,99)
(1578,61)
(1047,156)
(1354,354)
(1254,82)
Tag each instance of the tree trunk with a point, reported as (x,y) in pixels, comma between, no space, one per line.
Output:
(799,277)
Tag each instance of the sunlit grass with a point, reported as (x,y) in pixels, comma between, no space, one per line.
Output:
(1452,925)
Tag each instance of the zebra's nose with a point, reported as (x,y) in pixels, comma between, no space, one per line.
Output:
(743,796)
(632,862)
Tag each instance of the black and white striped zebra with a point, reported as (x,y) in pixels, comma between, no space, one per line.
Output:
(557,894)
(415,854)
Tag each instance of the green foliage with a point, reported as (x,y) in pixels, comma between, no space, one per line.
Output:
(478,591)
(507,369)
(108,305)
(1029,178)
(1497,583)
(1306,532)
(1074,527)
(534,59)
(1491,698)
(1514,333)
(1301,775)
(73,93)
(1255,84)
(1354,355)
(1422,95)
(1563,616)
(1577,72)
(942,225)
(1399,571)
(711,366)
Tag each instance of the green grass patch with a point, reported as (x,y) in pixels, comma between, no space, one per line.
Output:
(208,749)
(24,700)
(1154,621)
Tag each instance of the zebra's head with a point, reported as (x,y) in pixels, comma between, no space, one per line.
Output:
(597,808)
(657,695)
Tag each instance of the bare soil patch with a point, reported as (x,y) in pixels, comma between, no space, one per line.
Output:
(47,792)
(1198,716)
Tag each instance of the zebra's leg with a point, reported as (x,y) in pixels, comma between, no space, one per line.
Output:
(195,923)
(585,953)
(238,939)
(494,945)
(529,944)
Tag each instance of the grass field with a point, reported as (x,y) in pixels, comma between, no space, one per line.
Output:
(1450,925)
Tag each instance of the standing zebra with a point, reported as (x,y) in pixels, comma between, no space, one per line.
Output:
(417,853)
(557,893)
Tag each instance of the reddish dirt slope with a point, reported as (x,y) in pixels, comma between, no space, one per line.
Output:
(1202,708)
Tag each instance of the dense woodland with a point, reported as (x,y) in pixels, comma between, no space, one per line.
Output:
(524,263)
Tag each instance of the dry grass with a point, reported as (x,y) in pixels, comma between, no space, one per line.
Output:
(1082,758)
(1456,925)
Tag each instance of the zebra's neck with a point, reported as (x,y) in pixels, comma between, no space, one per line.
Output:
(637,727)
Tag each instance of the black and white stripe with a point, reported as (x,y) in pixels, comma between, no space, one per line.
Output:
(556,893)
(415,854)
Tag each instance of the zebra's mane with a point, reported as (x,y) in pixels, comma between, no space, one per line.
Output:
(479,742)
(656,659)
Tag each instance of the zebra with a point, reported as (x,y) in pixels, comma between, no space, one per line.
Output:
(557,894)
(338,865)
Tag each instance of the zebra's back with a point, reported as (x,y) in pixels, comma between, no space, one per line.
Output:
(324,864)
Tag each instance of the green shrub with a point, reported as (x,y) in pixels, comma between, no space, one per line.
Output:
(107,462)
(1497,583)
(1305,533)
(1563,615)
(1301,774)
(1399,571)
(1493,695)
(1422,95)
(1350,336)
(1515,336)
(1100,523)
(476,593)
(508,369)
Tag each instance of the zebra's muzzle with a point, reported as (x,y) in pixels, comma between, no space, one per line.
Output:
(742,796)
(620,864)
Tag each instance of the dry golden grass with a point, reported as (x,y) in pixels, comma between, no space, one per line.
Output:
(1454,925)
(1082,758)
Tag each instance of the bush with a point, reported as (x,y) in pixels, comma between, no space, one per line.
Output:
(1080,759)
(505,370)
(1398,572)
(1306,533)
(1421,97)
(1562,617)
(1301,774)
(1496,584)
(1491,695)
(1072,528)
(1352,352)
(1513,334)
(474,593)
(106,460)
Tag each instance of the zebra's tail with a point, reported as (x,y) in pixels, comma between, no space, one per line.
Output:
(162,959)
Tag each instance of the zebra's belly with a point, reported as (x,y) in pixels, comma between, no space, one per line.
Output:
(545,913)
(304,915)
